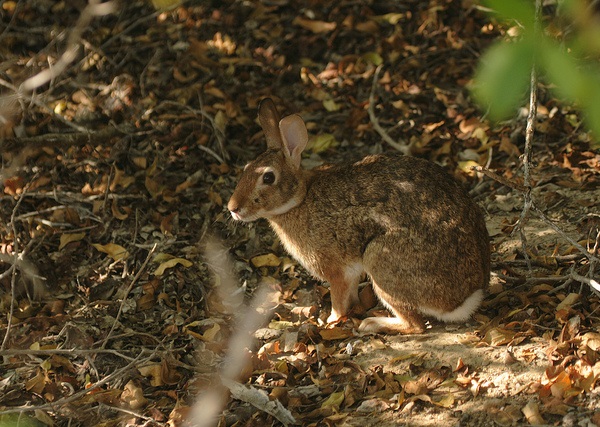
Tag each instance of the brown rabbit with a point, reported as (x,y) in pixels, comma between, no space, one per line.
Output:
(402,220)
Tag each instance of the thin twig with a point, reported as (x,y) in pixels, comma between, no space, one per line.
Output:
(92,10)
(218,131)
(72,352)
(527,153)
(491,174)
(564,235)
(40,104)
(81,137)
(27,88)
(77,196)
(212,153)
(131,285)
(81,393)
(13,278)
(402,147)
(592,283)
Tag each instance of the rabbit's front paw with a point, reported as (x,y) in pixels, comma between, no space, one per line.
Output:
(334,317)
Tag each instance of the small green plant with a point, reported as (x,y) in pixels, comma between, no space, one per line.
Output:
(567,59)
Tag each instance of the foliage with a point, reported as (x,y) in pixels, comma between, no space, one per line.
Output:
(504,71)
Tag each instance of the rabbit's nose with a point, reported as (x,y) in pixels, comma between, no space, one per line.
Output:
(233,206)
(235,211)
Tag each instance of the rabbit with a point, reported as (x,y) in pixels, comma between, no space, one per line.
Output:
(403,221)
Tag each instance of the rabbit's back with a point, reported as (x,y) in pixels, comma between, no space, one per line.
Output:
(387,193)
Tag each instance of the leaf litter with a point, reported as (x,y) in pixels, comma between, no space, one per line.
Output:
(122,335)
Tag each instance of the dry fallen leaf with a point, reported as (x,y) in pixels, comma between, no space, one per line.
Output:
(208,335)
(314,26)
(335,333)
(67,238)
(121,215)
(160,373)
(160,270)
(133,396)
(116,252)
(266,260)
(498,336)
(532,413)
(334,400)
(37,383)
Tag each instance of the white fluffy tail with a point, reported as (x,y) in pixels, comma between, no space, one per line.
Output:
(460,314)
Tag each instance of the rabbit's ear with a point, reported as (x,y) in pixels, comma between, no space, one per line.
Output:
(294,136)
(268,118)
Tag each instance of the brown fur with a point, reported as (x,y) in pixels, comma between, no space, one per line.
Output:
(403,221)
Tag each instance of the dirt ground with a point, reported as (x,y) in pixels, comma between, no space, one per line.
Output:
(125,284)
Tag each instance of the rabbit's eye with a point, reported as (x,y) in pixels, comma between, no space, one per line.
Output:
(268,178)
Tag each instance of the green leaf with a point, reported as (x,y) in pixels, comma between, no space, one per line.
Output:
(502,78)
(521,11)
(165,4)
(373,58)
(574,82)
(321,143)
(562,70)
(19,420)
(390,18)
(592,109)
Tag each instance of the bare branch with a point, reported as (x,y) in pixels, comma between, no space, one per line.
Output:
(93,9)
(402,147)
(209,404)
(529,131)
(80,394)
(59,139)
(491,174)
(131,285)
(573,242)
(26,269)
(592,283)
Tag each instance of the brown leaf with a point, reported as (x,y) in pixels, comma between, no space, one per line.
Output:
(170,263)
(37,383)
(168,224)
(592,340)
(314,26)
(153,187)
(561,385)
(498,336)
(133,396)
(67,238)
(116,252)
(266,260)
(335,333)
(532,413)
(118,214)
(121,179)
(14,186)
(154,372)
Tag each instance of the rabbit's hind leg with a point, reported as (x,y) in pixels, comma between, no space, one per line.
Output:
(405,320)
(392,272)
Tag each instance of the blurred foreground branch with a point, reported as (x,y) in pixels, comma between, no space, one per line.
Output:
(212,402)
(92,10)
